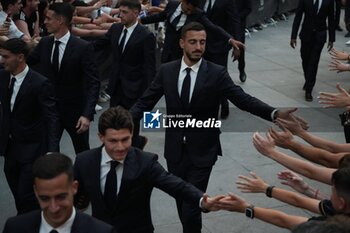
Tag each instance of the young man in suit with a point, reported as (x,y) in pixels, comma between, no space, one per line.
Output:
(29,125)
(133,59)
(193,86)
(313,36)
(118,179)
(179,13)
(55,187)
(69,63)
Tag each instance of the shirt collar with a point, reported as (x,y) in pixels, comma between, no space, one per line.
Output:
(65,227)
(131,28)
(64,39)
(22,75)
(105,159)
(194,68)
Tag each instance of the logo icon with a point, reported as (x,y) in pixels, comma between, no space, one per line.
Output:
(151,120)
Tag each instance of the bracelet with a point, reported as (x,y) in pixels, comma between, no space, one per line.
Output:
(92,20)
(269,191)
(349,57)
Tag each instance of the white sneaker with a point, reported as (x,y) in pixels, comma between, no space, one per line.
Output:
(348,42)
(98,108)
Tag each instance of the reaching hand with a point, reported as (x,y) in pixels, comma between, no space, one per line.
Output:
(264,146)
(289,115)
(336,65)
(293,180)
(82,125)
(293,125)
(251,185)
(211,203)
(335,100)
(338,55)
(233,203)
(281,138)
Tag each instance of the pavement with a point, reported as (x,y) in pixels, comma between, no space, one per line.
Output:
(275,76)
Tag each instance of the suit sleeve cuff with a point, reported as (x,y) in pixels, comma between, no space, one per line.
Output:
(274,115)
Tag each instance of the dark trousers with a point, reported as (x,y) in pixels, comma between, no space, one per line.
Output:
(347,15)
(241,59)
(337,12)
(20,180)
(310,51)
(80,141)
(347,133)
(190,213)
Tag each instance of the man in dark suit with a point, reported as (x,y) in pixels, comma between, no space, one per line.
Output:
(133,58)
(29,125)
(224,14)
(118,179)
(313,36)
(177,14)
(69,64)
(55,187)
(193,87)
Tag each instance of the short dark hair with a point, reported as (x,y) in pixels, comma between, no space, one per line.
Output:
(115,118)
(132,4)
(63,9)
(52,165)
(16,46)
(344,161)
(193,26)
(341,182)
(5,4)
(194,3)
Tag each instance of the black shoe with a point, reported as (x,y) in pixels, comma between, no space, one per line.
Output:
(339,29)
(224,112)
(347,34)
(242,76)
(143,141)
(308,97)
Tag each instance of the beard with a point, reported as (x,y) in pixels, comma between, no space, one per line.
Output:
(193,58)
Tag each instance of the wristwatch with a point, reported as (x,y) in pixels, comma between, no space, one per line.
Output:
(249,211)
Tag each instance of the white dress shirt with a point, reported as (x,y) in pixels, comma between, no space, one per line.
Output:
(182,19)
(319,5)
(19,80)
(130,31)
(207,4)
(62,47)
(14,32)
(193,74)
(66,227)
(106,166)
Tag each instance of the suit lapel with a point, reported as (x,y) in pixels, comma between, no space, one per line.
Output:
(117,35)
(67,54)
(128,173)
(96,169)
(26,84)
(174,79)
(132,39)
(200,80)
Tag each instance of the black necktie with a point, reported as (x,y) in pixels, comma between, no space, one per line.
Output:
(316,6)
(53,231)
(186,85)
(110,194)
(55,57)
(122,42)
(11,86)
(176,20)
(209,7)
